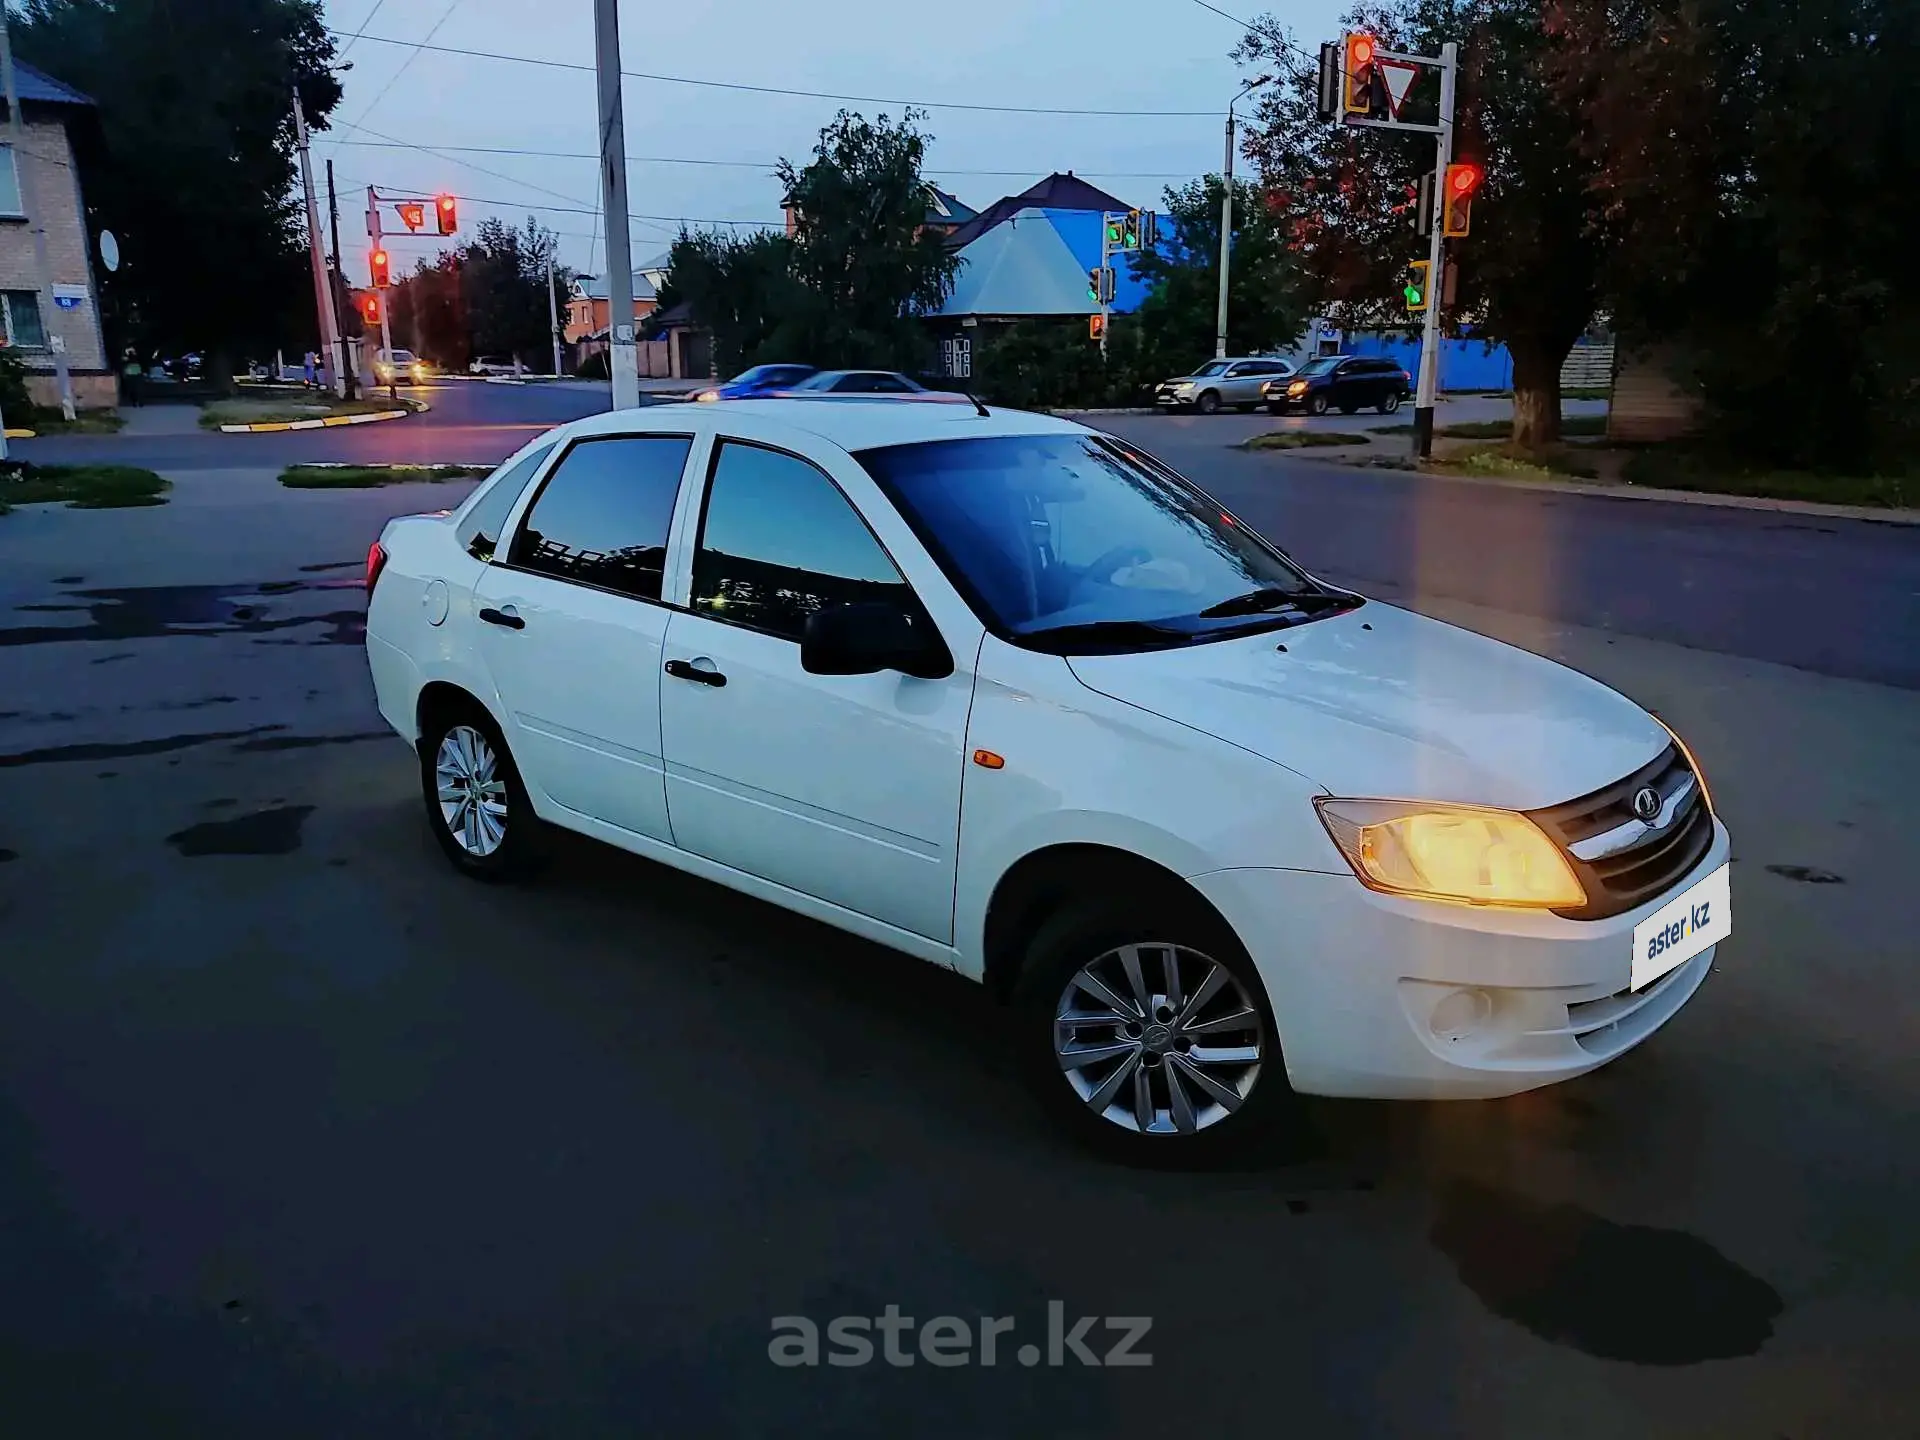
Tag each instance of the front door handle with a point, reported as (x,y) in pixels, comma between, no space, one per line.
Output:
(681,670)
(504,618)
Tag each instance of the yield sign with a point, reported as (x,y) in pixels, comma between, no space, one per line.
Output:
(1399,76)
(414,216)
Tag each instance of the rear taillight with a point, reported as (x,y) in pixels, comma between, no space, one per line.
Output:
(376,562)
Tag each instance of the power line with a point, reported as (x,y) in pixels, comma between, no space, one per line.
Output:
(1252,29)
(763,165)
(361,31)
(394,79)
(783,90)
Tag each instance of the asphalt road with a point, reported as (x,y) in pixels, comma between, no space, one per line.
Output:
(301,1134)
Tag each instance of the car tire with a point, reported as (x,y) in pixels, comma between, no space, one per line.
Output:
(1209,402)
(1391,403)
(1187,1125)
(1317,404)
(462,755)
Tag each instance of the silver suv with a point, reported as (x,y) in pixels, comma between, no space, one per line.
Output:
(1234,381)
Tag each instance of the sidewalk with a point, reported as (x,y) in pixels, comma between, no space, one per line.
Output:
(170,417)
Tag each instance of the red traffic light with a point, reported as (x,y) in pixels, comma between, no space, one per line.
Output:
(444,212)
(1359,49)
(370,308)
(381,267)
(1457,208)
(1365,90)
(1463,179)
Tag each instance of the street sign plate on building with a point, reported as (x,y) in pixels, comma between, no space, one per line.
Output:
(69,297)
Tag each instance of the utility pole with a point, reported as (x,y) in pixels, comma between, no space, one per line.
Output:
(623,361)
(1226,223)
(553,315)
(1427,391)
(339,282)
(322,291)
(56,342)
(1100,284)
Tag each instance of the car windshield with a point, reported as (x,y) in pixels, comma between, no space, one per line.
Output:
(1322,366)
(1212,367)
(772,375)
(401,357)
(1078,543)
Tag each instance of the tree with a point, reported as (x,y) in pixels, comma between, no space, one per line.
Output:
(1529,273)
(1179,318)
(488,297)
(850,284)
(193,164)
(1750,157)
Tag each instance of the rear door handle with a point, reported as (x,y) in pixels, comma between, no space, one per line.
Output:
(681,670)
(504,618)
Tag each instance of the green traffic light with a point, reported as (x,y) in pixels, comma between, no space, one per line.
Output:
(1412,292)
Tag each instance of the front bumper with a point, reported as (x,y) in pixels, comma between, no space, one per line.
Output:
(1386,998)
(1173,398)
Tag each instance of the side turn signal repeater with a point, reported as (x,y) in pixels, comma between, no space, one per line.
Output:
(987,760)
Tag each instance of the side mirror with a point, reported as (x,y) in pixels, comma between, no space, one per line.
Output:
(866,638)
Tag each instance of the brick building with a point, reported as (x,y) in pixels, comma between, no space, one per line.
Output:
(46,177)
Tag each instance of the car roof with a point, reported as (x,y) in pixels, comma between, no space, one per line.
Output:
(853,422)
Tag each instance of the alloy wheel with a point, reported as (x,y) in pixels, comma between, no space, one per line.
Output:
(1158,1039)
(471,790)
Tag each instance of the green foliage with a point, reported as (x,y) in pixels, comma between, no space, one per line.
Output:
(1046,364)
(1529,273)
(83,487)
(848,287)
(1305,440)
(1753,159)
(369,477)
(15,404)
(1265,304)
(192,164)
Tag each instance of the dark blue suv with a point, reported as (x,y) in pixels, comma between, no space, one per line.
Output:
(760,380)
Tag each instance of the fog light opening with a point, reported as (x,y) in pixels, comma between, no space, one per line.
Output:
(1459,1013)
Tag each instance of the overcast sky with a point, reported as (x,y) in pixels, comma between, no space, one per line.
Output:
(1137,55)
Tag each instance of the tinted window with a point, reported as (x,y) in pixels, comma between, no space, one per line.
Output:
(1212,367)
(603,514)
(779,542)
(1049,531)
(481,523)
(1322,366)
(772,375)
(863,384)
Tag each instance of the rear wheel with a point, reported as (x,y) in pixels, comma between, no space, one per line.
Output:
(1390,403)
(1145,1031)
(1209,401)
(476,804)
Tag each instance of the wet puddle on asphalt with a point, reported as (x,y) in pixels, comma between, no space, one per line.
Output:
(155,611)
(274,831)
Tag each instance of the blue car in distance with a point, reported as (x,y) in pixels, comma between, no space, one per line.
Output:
(760,380)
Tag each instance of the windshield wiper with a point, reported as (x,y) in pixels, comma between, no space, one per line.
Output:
(1104,633)
(1272,597)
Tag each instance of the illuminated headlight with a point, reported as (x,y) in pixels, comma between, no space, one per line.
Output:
(706,395)
(1462,853)
(1298,387)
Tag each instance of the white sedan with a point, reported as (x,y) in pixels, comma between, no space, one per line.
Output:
(1011,696)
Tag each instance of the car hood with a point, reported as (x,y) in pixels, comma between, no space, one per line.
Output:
(1381,702)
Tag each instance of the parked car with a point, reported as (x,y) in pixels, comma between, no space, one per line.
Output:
(1013,697)
(1343,382)
(860,382)
(398,367)
(760,380)
(493,365)
(1235,382)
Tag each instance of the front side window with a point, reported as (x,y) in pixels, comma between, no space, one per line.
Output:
(481,522)
(602,517)
(1212,367)
(779,542)
(1323,366)
(1073,541)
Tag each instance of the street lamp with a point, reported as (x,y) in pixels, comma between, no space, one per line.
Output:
(1226,219)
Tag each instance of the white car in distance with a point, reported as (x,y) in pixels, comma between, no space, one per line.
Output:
(1011,696)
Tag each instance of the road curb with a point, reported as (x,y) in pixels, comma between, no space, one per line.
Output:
(21,434)
(324,422)
(1818,508)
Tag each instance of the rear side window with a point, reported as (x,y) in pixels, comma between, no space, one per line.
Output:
(602,517)
(480,525)
(779,542)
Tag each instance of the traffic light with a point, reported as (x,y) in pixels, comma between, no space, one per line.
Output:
(1096,326)
(1417,289)
(1329,89)
(380,267)
(1462,181)
(444,213)
(1149,229)
(412,216)
(1423,205)
(1116,232)
(1093,285)
(1365,94)
(370,307)
(1131,231)
(1100,285)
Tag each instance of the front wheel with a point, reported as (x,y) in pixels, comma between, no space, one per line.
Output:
(1391,403)
(1318,405)
(476,803)
(1146,1032)
(1209,401)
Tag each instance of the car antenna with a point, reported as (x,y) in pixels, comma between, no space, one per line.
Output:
(978,407)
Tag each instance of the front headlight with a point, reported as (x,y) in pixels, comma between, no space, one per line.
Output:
(1462,853)
(707,395)
(1298,387)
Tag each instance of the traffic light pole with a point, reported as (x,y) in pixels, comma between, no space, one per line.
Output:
(1100,285)
(623,361)
(1427,391)
(339,281)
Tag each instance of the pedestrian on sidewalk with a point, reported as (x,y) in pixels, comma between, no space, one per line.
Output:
(311,379)
(132,376)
